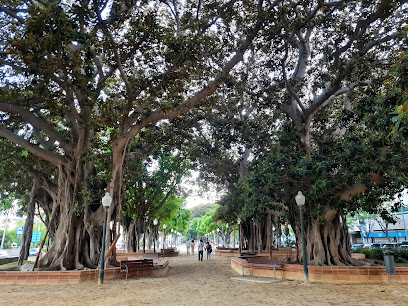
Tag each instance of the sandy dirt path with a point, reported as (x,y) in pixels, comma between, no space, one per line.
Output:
(190,282)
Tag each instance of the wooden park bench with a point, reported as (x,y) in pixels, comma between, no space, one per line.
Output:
(136,266)
(246,256)
(256,262)
(229,249)
(7,260)
(170,252)
(225,250)
(151,256)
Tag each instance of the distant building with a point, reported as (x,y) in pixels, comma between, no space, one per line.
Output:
(396,232)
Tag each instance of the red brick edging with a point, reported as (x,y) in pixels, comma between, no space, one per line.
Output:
(284,255)
(65,277)
(54,277)
(325,273)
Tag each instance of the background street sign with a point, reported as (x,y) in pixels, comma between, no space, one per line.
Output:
(20,230)
(36,237)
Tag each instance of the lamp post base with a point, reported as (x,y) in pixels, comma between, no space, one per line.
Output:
(102,265)
(305,267)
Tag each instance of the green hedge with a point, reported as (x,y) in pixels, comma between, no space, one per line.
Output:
(400,254)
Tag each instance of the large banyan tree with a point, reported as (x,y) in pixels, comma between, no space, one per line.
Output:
(83,79)
(322,74)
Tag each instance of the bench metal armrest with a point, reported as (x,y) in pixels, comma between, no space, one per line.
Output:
(127,269)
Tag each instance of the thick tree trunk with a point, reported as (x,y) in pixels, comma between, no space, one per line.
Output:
(115,189)
(79,230)
(250,240)
(133,233)
(28,228)
(233,235)
(269,235)
(327,243)
(45,200)
(259,245)
(278,235)
(130,237)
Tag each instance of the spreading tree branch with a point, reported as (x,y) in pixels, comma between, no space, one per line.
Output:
(49,156)
(35,121)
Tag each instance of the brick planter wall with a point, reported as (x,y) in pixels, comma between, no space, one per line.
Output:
(122,256)
(66,277)
(284,255)
(358,256)
(54,277)
(334,273)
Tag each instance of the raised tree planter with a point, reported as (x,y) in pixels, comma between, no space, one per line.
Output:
(169,252)
(121,256)
(72,277)
(54,277)
(358,256)
(334,273)
(285,254)
(4,261)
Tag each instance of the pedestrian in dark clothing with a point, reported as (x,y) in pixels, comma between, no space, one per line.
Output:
(208,248)
(200,250)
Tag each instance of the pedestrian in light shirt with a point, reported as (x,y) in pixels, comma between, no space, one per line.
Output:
(192,246)
(188,247)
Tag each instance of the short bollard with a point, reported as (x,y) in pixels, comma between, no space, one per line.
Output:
(389,261)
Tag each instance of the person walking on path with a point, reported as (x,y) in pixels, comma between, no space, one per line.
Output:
(200,250)
(192,245)
(208,248)
(188,247)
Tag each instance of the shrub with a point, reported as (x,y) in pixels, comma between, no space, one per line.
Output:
(377,254)
(364,251)
(400,254)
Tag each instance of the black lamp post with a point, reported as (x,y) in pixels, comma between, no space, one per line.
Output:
(164,235)
(252,235)
(273,237)
(154,235)
(239,236)
(106,202)
(227,236)
(300,201)
(146,218)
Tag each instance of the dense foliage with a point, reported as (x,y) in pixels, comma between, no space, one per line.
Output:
(282,97)
(200,210)
(400,254)
(395,95)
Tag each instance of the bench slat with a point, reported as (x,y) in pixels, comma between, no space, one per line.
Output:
(135,266)
(268,264)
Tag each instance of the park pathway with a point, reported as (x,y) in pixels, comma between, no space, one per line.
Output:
(190,282)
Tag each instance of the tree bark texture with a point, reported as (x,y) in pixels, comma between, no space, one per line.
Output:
(269,235)
(327,243)
(28,228)
(132,234)
(78,236)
